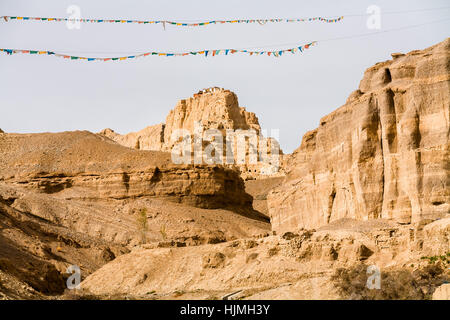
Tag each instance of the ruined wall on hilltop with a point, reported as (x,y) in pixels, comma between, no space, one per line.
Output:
(218,109)
(212,108)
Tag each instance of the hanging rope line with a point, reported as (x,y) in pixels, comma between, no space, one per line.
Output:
(248,50)
(206,53)
(175,23)
(196,23)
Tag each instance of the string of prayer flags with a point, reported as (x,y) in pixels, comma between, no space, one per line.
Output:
(206,53)
(175,23)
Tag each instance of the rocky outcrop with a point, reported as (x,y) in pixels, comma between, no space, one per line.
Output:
(384,154)
(212,108)
(82,165)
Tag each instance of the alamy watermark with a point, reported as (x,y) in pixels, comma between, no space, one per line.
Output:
(374,19)
(74,280)
(74,20)
(374,279)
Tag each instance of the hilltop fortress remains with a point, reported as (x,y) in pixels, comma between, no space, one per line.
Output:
(211,128)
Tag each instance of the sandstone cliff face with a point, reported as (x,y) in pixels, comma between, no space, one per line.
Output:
(384,154)
(213,108)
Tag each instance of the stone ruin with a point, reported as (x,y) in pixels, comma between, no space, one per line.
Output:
(212,108)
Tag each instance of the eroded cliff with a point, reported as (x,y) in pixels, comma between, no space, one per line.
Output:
(384,154)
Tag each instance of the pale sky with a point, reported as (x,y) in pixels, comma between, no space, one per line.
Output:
(290,93)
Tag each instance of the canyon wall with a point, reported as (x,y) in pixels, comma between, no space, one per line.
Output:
(384,154)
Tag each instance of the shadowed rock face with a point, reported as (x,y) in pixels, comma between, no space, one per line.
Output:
(384,154)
